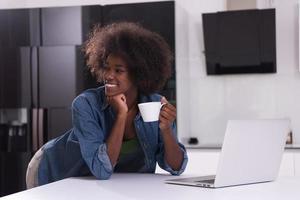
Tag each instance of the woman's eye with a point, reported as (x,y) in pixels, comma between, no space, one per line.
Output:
(119,71)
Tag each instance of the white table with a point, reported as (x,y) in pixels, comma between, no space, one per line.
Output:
(152,186)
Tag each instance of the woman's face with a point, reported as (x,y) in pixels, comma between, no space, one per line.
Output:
(116,77)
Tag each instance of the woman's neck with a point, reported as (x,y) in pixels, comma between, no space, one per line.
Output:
(131,99)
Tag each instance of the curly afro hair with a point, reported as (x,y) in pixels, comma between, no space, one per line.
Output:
(146,53)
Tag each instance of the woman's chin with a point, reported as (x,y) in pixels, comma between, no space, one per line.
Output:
(111,93)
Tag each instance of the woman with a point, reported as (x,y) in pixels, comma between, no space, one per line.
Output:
(108,133)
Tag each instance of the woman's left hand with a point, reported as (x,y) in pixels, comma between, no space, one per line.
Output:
(167,115)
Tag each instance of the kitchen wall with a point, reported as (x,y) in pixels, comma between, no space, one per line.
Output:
(215,99)
(205,103)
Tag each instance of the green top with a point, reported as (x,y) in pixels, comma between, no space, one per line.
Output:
(131,158)
(129,146)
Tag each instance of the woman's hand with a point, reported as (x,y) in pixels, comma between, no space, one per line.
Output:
(173,154)
(167,115)
(118,102)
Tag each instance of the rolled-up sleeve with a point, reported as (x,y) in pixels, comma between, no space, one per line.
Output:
(91,138)
(161,159)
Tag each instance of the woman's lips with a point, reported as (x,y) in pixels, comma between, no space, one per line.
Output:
(110,88)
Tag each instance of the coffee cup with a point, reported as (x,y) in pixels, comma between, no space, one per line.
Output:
(150,110)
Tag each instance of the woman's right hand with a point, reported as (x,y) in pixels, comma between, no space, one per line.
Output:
(118,102)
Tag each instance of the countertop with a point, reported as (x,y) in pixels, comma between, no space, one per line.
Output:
(151,186)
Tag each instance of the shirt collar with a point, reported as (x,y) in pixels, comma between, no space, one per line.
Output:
(105,103)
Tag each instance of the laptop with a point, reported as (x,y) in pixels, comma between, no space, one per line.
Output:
(251,153)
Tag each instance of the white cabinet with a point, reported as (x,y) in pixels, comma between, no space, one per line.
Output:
(287,164)
(202,162)
(297,163)
(205,162)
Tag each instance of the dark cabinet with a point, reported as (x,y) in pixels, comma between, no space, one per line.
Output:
(61,26)
(15,77)
(1,77)
(91,15)
(68,25)
(156,16)
(57,76)
(13,171)
(14,28)
(52,71)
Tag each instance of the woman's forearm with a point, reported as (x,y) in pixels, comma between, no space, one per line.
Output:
(114,141)
(173,153)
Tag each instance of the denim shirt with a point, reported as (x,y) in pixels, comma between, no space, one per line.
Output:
(82,150)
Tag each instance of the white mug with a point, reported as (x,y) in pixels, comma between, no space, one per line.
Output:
(150,111)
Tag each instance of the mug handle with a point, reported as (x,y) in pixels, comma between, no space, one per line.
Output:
(162,105)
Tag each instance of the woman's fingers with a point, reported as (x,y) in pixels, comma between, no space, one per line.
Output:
(170,115)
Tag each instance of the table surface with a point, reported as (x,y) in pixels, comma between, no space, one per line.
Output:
(152,186)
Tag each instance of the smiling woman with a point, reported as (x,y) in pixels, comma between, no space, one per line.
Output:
(147,54)
(108,133)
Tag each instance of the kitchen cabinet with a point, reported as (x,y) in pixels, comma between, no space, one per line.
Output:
(57,76)
(13,165)
(61,26)
(14,28)
(156,16)
(287,164)
(205,162)
(47,70)
(297,163)
(68,25)
(15,77)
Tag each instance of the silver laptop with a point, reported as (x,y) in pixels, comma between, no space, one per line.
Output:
(251,153)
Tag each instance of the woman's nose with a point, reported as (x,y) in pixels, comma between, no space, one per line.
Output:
(109,75)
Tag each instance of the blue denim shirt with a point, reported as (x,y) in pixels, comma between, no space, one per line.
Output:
(82,150)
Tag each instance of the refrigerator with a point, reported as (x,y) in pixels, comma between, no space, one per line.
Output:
(38,82)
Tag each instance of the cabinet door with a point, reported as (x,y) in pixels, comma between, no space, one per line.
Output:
(201,162)
(2,65)
(297,163)
(91,16)
(57,76)
(287,164)
(14,28)
(68,25)
(13,171)
(156,16)
(61,26)
(15,77)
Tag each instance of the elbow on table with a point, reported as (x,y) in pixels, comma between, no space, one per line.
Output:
(103,175)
